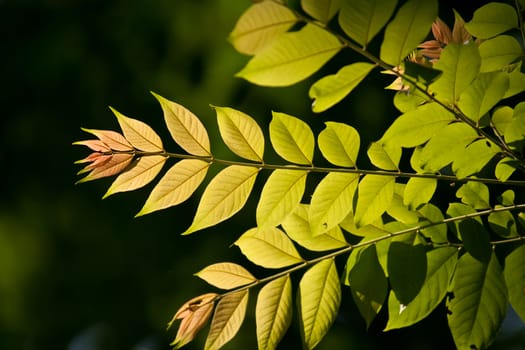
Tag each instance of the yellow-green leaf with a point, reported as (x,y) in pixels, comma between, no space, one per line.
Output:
(224,196)
(227,319)
(268,247)
(384,156)
(474,158)
(515,278)
(498,52)
(319,298)
(292,138)
(331,201)
(321,10)
(339,143)
(292,57)
(280,195)
(492,19)
(138,133)
(260,25)
(331,89)
(112,139)
(226,275)
(374,196)
(474,194)
(241,133)
(185,128)
(505,168)
(177,185)
(418,192)
(141,171)
(273,312)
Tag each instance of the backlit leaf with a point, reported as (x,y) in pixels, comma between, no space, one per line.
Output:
(361,20)
(505,168)
(384,156)
(475,194)
(437,233)
(331,201)
(319,298)
(474,158)
(273,312)
(501,117)
(514,134)
(418,192)
(226,275)
(141,171)
(321,10)
(502,223)
(280,195)
(177,185)
(515,278)
(240,133)
(331,89)
(268,247)
(227,319)
(292,138)
(408,29)
(224,196)
(516,83)
(399,211)
(498,52)
(185,128)
(479,303)
(260,25)
(407,266)
(292,57)
(374,196)
(492,19)
(138,133)
(112,139)
(339,144)
(113,164)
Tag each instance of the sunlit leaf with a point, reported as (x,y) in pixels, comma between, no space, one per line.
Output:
(138,133)
(227,319)
(176,186)
(141,171)
(268,247)
(505,168)
(361,20)
(475,194)
(406,102)
(260,25)
(474,158)
(384,156)
(515,278)
(292,57)
(374,196)
(479,302)
(498,52)
(400,212)
(273,312)
(226,275)
(492,19)
(112,139)
(224,196)
(241,133)
(418,192)
(330,202)
(319,298)
(292,138)
(514,134)
(437,233)
(185,128)
(516,83)
(501,118)
(408,29)
(502,223)
(407,266)
(112,165)
(331,89)
(280,195)
(321,10)
(339,143)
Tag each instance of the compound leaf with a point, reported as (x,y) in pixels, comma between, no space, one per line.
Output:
(226,275)
(138,133)
(292,138)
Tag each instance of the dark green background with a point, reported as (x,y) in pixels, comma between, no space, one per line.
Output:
(79,273)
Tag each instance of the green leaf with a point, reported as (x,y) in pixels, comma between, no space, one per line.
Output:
(407,266)
(479,302)
(140,172)
(176,186)
(331,201)
(515,278)
(331,89)
(460,65)
(384,156)
(297,227)
(368,283)
(280,195)
(227,319)
(399,212)
(474,158)
(241,133)
(226,275)
(292,138)
(440,267)
(405,102)
(138,133)
(418,192)
(408,29)
(492,19)
(498,52)
(319,297)
(361,20)
(321,10)
(516,82)
(483,94)
(224,196)
(515,132)
(437,233)
(505,168)
(268,247)
(288,60)
(507,198)
(185,128)
(339,143)
(273,312)
(415,127)
(374,196)
(475,194)
(260,25)
(503,223)
(501,118)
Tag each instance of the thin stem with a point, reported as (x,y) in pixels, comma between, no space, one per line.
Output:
(520,19)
